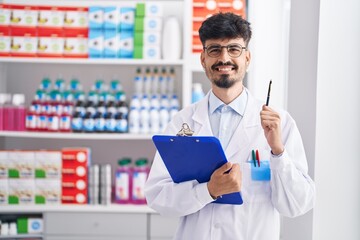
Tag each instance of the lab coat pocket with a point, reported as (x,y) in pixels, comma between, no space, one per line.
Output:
(255,190)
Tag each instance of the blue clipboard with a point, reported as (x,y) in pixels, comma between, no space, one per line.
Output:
(193,157)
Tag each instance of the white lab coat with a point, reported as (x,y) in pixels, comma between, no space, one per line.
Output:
(290,192)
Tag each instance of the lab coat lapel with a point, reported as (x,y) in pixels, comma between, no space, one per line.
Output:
(200,117)
(248,127)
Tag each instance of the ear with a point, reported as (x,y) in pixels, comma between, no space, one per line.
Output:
(202,59)
(248,58)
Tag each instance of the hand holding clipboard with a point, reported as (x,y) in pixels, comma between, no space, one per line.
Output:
(193,158)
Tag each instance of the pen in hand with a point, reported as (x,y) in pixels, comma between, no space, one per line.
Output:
(268,95)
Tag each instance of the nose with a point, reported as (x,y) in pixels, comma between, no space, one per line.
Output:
(224,56)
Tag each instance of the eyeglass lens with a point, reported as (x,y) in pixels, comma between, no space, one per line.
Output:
(234,50)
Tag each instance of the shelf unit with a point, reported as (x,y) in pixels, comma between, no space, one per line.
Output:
(23,75)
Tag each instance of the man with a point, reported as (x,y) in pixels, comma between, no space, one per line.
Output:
(242,124)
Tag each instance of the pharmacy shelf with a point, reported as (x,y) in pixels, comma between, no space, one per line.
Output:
(89,61)
(84,136)
(112,208)
(22,236)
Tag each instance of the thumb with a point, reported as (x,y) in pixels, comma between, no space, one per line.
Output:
(224,168)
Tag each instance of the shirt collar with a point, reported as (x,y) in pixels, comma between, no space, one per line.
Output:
(238,104)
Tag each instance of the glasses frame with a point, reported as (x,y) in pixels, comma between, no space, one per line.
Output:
(206,49)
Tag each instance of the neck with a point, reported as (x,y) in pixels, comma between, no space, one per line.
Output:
(227,95)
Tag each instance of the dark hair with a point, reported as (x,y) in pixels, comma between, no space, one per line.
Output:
(223,26)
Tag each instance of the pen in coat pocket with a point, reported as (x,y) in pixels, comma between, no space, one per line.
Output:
(253,157)
(258,157)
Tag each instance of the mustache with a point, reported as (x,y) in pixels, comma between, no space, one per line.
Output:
(224,64)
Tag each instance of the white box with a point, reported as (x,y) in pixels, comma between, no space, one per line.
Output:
(4,155)
(48,191)
(4,191)
(21,164)
(21,191)
(48,164)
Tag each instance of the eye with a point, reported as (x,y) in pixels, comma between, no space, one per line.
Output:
(214,50)
(234,49)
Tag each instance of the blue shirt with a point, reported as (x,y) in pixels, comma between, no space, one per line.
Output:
(224,119)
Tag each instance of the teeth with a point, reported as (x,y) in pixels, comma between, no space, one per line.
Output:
(225,69)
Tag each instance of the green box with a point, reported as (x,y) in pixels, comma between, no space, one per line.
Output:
(138,39)
(138,52)
(140,10)
(22,225)
(139,24)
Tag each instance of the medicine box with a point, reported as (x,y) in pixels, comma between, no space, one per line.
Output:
(149,9)
(21,191)
(21,164)
(147,52)
(147,38)
(48,191)
(4,191)
(126,44)
(127,18)
(96,43)
(148,24)
(111,17)
(111,43)
(96,17)
(48,164)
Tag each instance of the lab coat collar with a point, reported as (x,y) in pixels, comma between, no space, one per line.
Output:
(248,124)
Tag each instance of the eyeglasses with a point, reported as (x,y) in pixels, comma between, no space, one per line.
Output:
(234,50)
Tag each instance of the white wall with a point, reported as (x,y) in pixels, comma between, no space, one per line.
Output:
(337,165)
(269,49)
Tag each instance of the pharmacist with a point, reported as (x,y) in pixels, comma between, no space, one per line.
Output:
(242,124)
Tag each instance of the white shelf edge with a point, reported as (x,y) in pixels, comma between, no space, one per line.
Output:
(85,136)
(112,208)
(21,236)
(88,61)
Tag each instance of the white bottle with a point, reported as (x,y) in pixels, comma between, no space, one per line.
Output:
(154,120)
(171,39)
(164,118)
(135,101)
(174,102)
(154,102)
(147,81)
(134,120)
(144,120)
(164,101)
(138,82)
(145,102)
(155,81)
(171,81)
(163,81)
(197,92)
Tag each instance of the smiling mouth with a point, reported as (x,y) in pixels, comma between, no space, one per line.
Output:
(224,68)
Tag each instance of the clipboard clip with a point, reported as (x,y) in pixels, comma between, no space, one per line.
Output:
(185,131)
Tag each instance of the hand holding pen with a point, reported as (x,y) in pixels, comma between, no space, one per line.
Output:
(271,123)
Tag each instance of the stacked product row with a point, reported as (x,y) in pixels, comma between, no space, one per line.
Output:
(154,101)
(126,30)
(61,107)
(21,225)
(44,177)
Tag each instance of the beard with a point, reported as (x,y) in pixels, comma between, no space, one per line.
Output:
(224,82)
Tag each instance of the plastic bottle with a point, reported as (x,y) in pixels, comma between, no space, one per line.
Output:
(197,92)
(45,84)
(2,105)
(135,101)
(8,114)
(139,176)
(134,120)
(144,120)
(19,112)
(155,81)
(154,102)
(164,118)
(110,122)
(123,181)
(55,112)
(66,115)
(171,39)
(145,102)
(99,121)
(174,102)
(171,81)
(138,82)
(121,123)
(172,112)
(60,84)
(115,84)
(154,120)
(162,81)
(147,81)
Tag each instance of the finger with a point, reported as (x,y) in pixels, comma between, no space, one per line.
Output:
(225,167)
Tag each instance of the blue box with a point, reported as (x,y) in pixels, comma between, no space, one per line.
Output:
(111,18)
(96,20)
(111,43)
(126,48)
(96,43)
(127,18)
